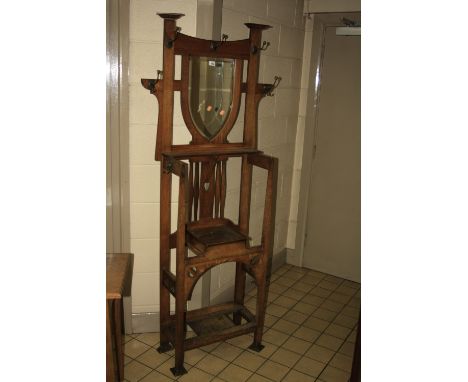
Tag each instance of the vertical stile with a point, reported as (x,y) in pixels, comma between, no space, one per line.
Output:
(196,190)
(190,191)
(218,188)
(223,187)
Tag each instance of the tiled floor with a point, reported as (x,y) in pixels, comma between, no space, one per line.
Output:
(309,336)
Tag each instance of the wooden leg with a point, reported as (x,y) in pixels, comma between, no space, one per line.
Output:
(117,313)
(262,295)
(165,260)
(110,372)
(179,369)
(239,291)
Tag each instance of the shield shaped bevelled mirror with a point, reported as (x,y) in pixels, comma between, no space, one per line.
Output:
(210,93)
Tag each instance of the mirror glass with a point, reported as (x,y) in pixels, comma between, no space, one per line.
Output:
(210,93)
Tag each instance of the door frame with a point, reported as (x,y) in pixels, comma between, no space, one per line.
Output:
(117,136)
(320,23)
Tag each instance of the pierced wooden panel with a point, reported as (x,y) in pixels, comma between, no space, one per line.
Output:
(207,189)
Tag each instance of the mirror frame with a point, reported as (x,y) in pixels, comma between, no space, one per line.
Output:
(221,135)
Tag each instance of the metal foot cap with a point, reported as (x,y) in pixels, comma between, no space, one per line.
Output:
(177,371)
(256,347)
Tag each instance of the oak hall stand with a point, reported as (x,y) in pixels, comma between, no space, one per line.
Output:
(210,88)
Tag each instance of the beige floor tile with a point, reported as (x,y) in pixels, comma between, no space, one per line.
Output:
(338,331)
(150,339)
(273,370)
(285,326)
(135,371)
(311,279)
(332,305)
(355,302)
(352,337)
(344,320)
(249,361)
(277,288)
(258,378)
(283,281)
(317,273)
(334,279)
(270,320)
(251,304)
(296,376)
(294,294)
(127,359)
(294,316)
(134,348)
(307,334)
(276,310)
(319,353)
(351,284)
(329,342)
(212,364)
(267,351)
(155,376)
(226,351)
(285,357)
(285,302)
(196,375)
(327,285)
(305,308)
(302,286)
(210,347)
(275,337)
(293,275)
(331,374)
(321,292)
(193,356)
(242,342)
(272,296)
(126,338)
(234,373)
(339,297)
(297,345)
(309,366)
(352,312)
(343,362)
(347,349)
(152,358)
(316,324)
(324,314)
(346,290)
(313,300)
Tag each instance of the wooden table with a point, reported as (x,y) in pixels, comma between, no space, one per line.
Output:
(119,271)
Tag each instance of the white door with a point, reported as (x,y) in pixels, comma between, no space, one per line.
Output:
(332,242)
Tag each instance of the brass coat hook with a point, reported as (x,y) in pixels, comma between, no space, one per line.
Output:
(269,88)
(264,46)
(216,44)
(170,42)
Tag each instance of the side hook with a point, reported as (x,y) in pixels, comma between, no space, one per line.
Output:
(264,46)
(269,88)
(216,44)
(170,43)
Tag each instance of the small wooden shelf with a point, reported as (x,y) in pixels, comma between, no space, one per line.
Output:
(224,232)
(214,323)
